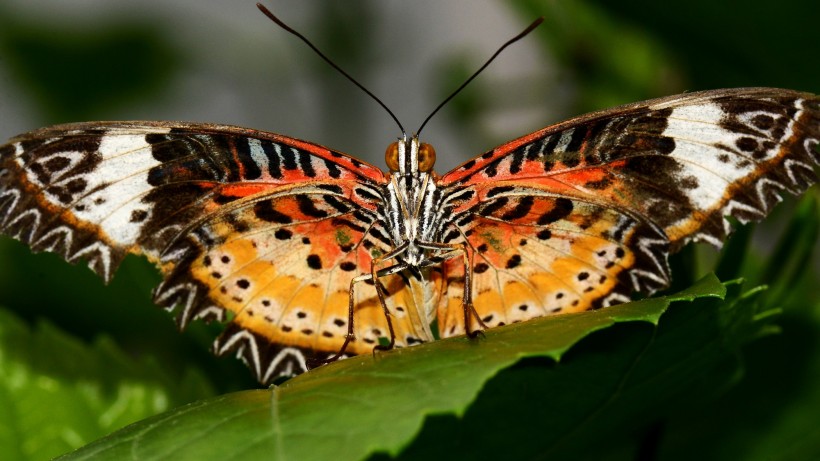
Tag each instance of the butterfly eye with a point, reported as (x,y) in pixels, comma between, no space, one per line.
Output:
(427,157)
(391,156)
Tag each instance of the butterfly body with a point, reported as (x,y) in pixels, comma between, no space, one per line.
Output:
(411,204)
(305,251)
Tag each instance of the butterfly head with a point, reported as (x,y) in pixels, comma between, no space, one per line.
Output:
(408,157)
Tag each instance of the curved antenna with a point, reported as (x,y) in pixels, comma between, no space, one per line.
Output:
(509,42)
(332,64)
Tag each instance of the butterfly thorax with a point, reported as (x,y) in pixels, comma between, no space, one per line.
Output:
(411,197)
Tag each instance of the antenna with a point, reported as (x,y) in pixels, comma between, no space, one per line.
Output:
(332,64)
(509,42)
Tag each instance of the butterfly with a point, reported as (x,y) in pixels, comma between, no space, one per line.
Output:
(307,253)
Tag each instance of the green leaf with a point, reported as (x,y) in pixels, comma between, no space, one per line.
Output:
(772,413)
(792,256)
(57,393)
(364,405)
(76,301)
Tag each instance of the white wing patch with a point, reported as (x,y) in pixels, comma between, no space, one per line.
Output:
(112,192)
(704,149)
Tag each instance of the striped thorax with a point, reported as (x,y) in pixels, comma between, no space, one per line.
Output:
(411,196)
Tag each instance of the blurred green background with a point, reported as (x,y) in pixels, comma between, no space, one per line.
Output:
(217,61)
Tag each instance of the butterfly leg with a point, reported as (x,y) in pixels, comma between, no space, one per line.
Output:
(350,336)
(374,276)
(450,251)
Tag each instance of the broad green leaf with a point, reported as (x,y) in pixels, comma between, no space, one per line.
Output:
(57,393)
(773,412)
(793,254)
(366,404)
(609,393)
(75,300)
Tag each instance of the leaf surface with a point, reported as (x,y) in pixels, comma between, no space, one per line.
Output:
(369,404)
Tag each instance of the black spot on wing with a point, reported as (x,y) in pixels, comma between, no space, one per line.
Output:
(575,141)
(560,210)
(337,204)
(250,169)
(164,148)
(138,216)
(55,164)
(347,266)
(265,211)
(550,144)
(517,159)
(332,169)
(491,207)
(514,261)
(521,209)
(306,165)
(461,195)
(274,163)
(451,235)
(289,159)
(308,207)
(336,189)
(363,216)
(379,235)
(763,121)
(499,190)
(465,220)
(314,262)
(283,234)
(593,131)
(366,194)
(491,170)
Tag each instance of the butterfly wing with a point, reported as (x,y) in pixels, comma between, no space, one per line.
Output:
(578,215)
(267,229)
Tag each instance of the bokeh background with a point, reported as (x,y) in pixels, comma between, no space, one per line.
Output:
(223,61)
